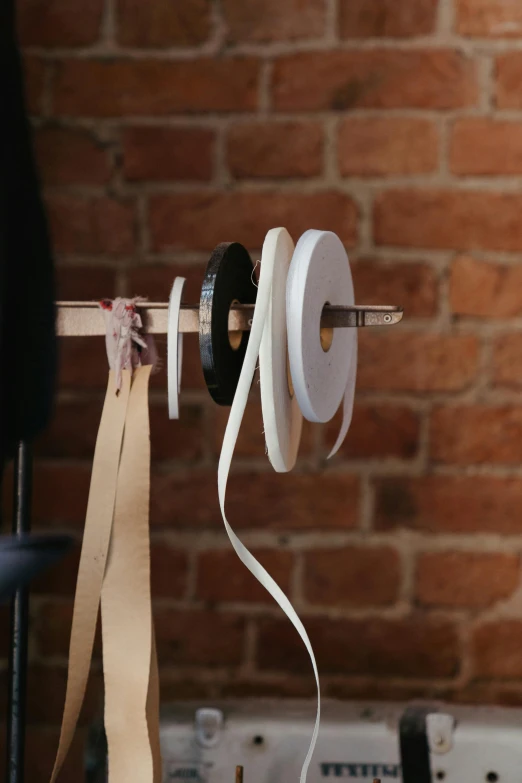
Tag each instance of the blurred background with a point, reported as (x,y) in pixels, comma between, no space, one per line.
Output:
(163,128)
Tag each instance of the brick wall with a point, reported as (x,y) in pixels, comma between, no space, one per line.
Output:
(163,128)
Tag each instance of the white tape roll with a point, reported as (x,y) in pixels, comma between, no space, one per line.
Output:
(282,417)
(174,348)
(320,274)
(229,441)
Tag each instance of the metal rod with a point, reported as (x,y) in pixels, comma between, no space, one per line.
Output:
(81,319)
(19,624)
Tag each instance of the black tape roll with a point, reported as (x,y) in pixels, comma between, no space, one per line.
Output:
(228,279)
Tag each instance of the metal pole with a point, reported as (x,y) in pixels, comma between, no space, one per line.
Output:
(19,624)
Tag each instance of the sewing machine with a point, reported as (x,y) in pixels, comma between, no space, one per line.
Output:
(357,741)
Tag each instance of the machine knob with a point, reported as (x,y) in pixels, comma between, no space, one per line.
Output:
(439,730)
(209,723)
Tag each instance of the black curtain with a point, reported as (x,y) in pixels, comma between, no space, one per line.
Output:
(27,338)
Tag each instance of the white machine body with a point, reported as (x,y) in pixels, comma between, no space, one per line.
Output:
(357,741)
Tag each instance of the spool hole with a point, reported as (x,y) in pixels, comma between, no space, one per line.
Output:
(234,336)
(326,334)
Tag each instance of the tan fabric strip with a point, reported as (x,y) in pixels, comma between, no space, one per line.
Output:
(98,524)
(126,602)
(153,712)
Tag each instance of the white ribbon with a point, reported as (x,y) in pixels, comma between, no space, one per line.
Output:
(174,348)
(282,417)
(229,441)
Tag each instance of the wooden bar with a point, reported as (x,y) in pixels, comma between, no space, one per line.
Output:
(82,319)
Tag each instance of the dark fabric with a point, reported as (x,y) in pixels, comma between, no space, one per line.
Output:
(27,339)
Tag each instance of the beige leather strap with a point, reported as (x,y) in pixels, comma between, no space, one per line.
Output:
(97,534)
(153,713)
(126,606)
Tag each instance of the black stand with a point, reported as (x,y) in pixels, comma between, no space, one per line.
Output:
(19,625)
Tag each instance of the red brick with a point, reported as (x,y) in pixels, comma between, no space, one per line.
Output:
(494,693)
(176,439)
(496,650)
(418,362)
(387,18)
(376,78)
(192,376)
(223,577)
(156,281)
(34,71)
(199,221)
(412,647)
(352,576)
(275,149)
(40,752)
(481,146)
(60,493)
(169,570)
(470,435)
(489,18)
(163,24)
(413,285)
(70,157)
(387,146)
(483,288)
(196,638)
(162,154)
(73,430)
(267,501)
(60,579)
(251,440)
(116,88)
(508,73)
(46,696)
(449,219)
(83,363)
(449,504)
(189,687)
(83,283)
(471,579)
(182,439)
(274,20)
(289,688)
(53,23)
(507,369)
(87,226)
(52,629)
(378,432)
(384,690)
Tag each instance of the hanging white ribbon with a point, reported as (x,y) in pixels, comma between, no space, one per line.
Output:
(227,450)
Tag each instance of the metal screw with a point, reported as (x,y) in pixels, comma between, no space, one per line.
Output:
(387,319)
